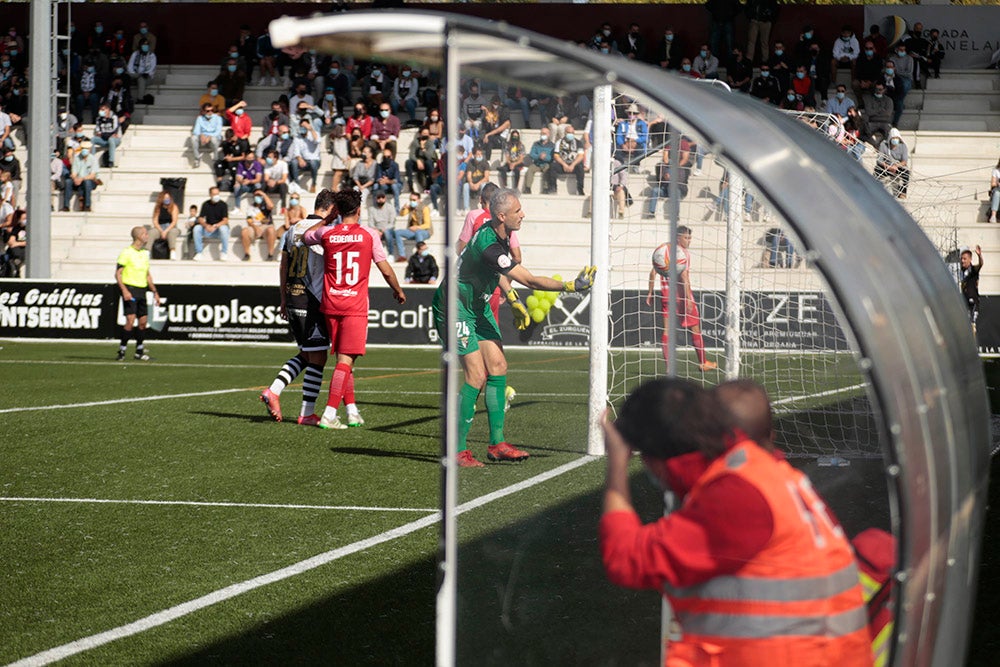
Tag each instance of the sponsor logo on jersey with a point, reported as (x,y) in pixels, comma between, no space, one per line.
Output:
(343,292)
(504,261)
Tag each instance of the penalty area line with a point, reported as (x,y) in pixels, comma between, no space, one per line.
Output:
(196,503)
(820,394)
(173,613)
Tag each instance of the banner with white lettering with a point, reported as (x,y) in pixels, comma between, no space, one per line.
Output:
(970,35)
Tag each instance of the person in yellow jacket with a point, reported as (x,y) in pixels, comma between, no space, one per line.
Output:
(134,279)
(756,569)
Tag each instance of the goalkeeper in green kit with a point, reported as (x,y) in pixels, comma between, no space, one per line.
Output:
(484,264)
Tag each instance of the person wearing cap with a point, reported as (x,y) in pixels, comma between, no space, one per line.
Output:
(259,224)
(82,178)
(631,136)
(892,165)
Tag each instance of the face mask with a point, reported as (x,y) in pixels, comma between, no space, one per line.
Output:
(79,135)
(239,112)
(8,158)
(359,112)
(284,135)
(878,96)
(800,75)
(269,161)
(231,68)
(889,71)
(166,201)
(376,73)
(384,114)
(209,115)
(686,68)
(406,73)
(808,35)
(143,31)
(791,98)
(293,202)
(845,39)
(779,52)
(98,29)
(425,252)
(669,37)
(328,97)
(103,114)
(894,142)
(765,73)
(85,152)
(334,71)
(258,200)
(703,53)
(606,33)
(515,137)
(869,53)
(118,35)
(900,53)
(90,69)
(234,54)
(545,138)
(414,204)
(213,92)
(434,119)
(216,198)
(570,136)
(840,96)
(303,131)
(119,70)
(16,92)
(605,50)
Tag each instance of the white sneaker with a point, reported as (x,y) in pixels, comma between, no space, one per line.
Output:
(200,257)
(333,424)
(696,171)
(511,395)
(223,256)
(354,420)
(274,81)
(260,81)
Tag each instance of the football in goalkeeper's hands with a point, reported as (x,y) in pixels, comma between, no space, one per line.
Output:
(661,259)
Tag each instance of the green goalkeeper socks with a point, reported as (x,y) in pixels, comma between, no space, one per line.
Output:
(496,400)
(467,398)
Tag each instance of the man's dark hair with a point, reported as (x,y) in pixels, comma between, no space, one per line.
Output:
(668,417)
(487,192)
(324,200)
(683,229)
(749,408)
(347,201)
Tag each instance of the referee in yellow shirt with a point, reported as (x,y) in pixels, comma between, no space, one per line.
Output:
(134,279)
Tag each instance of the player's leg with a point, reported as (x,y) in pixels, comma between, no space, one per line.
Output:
(495,366)
(348,335)
(140,339)
(314,349)
(129,308)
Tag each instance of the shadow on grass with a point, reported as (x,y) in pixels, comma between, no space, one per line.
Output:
(387,453)
(256,418)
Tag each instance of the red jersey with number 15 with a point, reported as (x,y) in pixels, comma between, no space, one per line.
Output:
(348,253)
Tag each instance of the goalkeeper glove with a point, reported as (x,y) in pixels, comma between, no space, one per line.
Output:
(521,316)
(583,282)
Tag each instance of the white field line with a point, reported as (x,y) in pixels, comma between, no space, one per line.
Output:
(195,503)
(362,369)
(820,394)
(175,612)
(162,397)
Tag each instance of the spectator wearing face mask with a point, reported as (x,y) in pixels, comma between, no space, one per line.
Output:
(231,82)
(765,86)
(845,52)
(382,217)
(388,178)
(892,165)
(234,151)
(434,127)
(117,45)
(142,66)
(879,110)
(329,110)
(212,98)
(249,176)
(375,87)
(206,135)
(385,129)
(10,165)
(259,225)
(276,176)
(280,142)
(840,103)
(867,69)
(107,133)
(86,90)
(420,163)
(304,155)
(164,223)
(144,34)
(239,120)
(119,101)
(404,93)
(336,79)
(212,222)
(275,120)
(361,121)
(421,268)
(82,178)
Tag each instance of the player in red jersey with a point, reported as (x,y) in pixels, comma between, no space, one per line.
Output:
(348,252)
(687,309)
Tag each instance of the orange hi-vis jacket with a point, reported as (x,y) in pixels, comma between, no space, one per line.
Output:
(797,602)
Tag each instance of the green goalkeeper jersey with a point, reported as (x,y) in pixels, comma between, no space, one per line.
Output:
(480,266)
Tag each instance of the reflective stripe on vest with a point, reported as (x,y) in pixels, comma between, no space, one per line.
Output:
(756,626)
(772,590)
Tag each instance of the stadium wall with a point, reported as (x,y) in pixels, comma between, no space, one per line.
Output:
(245,313)
(195,33)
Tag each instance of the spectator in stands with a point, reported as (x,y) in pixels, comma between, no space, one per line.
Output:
(892,165)
(739,71)
(556,114)
(660,187)
(10,165)
(879,113)
(246,44)
(471,111)
(119,101)
(385,129)
(206,135)
(77,40)
(782,66)
(845,52)
(340,161)
(86,89)
(144,34)
(991,216)
(388,178)
(765,86)
(465,141)
(301,95)
(117,45)
(568,158)
(434,126)
(239,120)
(705,64)
(8,194)
(13,41)
(876,37)
(304,154)
(791,101)
(421,268)
(249,176)
(275,120)
(142,67)
(633,46)
(259,224)
(440,174)
(16,104)
(935,53)
(918,47)
(309,69)
(541,161)
(309,113)
(840,102)
(293,214)
(496,126)
(329,109)
(420,163)
(893,85)
(383,218)
(267,57)
(363,172)
(212,98)
(761,15)
(901,64)
(477,174)
(516,98)
(118,71)
(337,80)
(82,178)
(107,132)
(669,52)
(817,69)
(276,176)
(213,223)
(804,87)
(281,142)
(164,223)
(404,93)
(233,53)
(418,226)
(7,72)
(6,129)
(374,87)
(231,82)
(73,141)
(867,70)
(512,162)
(360,120)
(855,132)
(234,151)
(15,236)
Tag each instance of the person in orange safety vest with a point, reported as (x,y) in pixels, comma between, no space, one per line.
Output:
(754,566)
